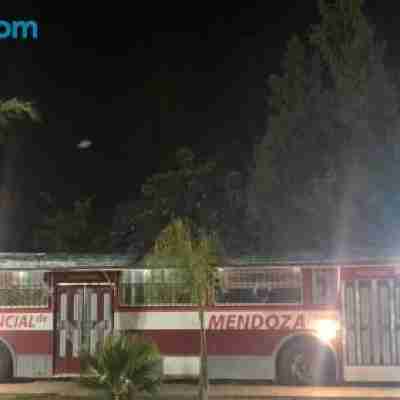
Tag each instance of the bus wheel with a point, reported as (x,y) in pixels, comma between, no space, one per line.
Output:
(5,363)
(306,362)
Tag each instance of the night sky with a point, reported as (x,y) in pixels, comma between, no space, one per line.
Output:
(140,82)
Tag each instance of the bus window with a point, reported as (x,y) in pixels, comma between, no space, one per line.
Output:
(131,288)
(324,286)
(23,289)
(261,285)
(153,287)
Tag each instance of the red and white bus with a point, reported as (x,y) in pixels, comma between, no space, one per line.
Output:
(291,322)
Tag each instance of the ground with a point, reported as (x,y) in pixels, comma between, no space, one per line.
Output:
(70,390)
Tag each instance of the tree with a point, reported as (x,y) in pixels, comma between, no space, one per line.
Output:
(76,229)
(123,367)
(195,254)
(16,118)
(180,189)
(208,192)
(324,165)
(345,41)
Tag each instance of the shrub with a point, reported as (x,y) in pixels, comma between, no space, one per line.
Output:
(123,367)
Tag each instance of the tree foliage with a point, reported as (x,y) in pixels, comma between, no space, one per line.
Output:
(207,192)
(75,229)
(344,39)
(196,255)
(16,110)
(193,252)
(323,175)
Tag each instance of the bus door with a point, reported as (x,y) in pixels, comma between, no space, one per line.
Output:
(371,334)
(83,320)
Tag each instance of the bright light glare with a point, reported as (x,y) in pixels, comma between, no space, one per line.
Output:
(326,329)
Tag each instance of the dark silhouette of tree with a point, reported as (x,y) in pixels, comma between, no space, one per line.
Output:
(76,229)
(207,192)
(323,178)
(17,118)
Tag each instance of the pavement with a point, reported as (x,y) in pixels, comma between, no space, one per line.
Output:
(59,387)
(232,391)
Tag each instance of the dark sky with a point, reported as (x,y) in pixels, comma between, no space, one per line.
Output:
(140,82)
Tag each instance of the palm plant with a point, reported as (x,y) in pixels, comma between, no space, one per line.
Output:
(123,367)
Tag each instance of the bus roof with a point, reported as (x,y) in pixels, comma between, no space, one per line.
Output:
(63,261)
(313,260)
(113,261)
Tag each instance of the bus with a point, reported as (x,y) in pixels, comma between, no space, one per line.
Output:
(294,322)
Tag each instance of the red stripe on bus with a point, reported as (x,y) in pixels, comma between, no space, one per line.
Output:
(29,342)
(186,342)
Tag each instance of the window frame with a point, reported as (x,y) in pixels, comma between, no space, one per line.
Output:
(121,298)
(21,287)
(297,269)
(335,288)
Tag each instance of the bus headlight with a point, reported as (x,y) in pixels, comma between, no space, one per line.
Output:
(326,329)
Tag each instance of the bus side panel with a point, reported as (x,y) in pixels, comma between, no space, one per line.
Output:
(236,359)
(241,344)
(29,338)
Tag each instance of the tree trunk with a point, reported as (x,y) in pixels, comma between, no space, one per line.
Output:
(203,378)
(17,188)
(8,192)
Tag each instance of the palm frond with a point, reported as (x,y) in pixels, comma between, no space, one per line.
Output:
(124,364)
(15,108)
